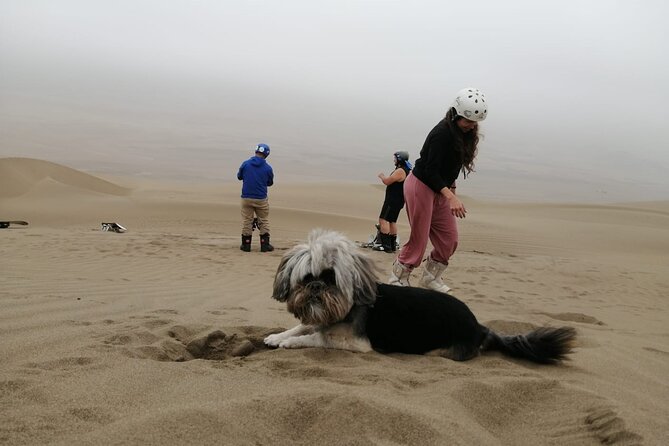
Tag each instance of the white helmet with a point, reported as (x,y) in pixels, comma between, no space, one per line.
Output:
(470,103)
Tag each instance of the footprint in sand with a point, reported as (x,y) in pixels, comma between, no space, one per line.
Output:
(12,390)
(96,415)
(566,415)
(655,350)
(609,428)
(574,317)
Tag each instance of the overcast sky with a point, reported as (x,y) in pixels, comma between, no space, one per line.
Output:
(572,86)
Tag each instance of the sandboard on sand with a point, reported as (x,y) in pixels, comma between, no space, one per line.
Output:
(112,227)
(6,224)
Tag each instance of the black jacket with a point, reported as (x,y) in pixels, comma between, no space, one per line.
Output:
(440,162)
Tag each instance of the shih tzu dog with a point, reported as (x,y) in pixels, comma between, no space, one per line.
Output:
(332,288)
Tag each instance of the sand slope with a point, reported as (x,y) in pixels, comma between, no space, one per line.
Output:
(132,338)
(21,175)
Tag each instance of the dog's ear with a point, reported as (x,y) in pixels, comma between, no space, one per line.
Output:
(281,289)
(365,280)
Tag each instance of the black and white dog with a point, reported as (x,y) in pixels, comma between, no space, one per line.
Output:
(331,287)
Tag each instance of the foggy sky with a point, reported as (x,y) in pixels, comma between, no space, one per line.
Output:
(576,89)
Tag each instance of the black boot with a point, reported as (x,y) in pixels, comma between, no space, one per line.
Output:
(246,243)
(393,242)
(265,246)
(388,244)
(385,243)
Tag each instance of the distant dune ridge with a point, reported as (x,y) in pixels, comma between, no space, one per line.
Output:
(154,336)
(20,175)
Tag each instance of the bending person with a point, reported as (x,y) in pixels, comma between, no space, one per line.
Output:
(429,191)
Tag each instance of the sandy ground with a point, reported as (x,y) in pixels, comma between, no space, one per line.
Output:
(154,336)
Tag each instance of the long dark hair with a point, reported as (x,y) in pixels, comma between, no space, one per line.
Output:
(466,144)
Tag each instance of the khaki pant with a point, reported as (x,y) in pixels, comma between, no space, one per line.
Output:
(259,208)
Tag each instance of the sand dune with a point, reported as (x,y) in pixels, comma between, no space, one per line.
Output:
(20,175)
(154,336)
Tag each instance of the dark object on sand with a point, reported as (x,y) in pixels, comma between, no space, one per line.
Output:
(6,224)
(115,227)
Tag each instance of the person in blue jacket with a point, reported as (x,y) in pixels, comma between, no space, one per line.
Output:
(256,175)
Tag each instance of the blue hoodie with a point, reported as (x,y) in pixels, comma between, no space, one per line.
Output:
(256,174)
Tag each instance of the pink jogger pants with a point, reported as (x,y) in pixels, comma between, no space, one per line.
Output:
(430,219)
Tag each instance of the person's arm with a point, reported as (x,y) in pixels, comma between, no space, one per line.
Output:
(457,208)
(270,177)
(397,175)
(437,147)
(240,172)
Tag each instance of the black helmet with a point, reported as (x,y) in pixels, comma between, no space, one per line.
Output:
(401,156)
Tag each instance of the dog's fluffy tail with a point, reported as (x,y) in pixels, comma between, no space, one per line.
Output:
(544,345)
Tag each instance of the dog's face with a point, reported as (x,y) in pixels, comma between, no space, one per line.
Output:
(321,280)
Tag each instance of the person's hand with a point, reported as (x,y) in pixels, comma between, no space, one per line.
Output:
(381,175)
(457,208)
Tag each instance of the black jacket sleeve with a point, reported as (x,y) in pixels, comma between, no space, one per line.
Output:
(436,148)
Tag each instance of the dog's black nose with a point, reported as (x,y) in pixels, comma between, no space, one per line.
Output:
(316,286)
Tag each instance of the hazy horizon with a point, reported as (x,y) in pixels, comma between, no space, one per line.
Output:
(185,89)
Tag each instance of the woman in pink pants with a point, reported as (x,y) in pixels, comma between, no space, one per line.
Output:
(429,191)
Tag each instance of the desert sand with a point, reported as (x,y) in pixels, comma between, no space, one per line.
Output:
(154,336)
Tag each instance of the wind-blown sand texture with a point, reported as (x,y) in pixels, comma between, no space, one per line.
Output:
(154,336)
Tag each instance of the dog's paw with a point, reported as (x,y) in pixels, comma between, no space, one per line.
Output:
(293,342)
(276,340)
(273,340)
(305,341)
